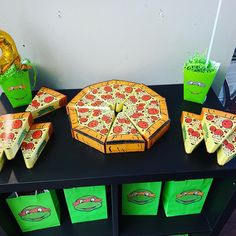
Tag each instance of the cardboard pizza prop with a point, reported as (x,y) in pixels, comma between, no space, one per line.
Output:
(192,130)
(118,116)
(13,129)
(217,127)
(227,150)
(45,101)
(34,142)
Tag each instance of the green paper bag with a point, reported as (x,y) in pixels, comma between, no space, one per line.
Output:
(185,197)
(86,203)
(197,84)
(140,198)
(16,85)
(33,212)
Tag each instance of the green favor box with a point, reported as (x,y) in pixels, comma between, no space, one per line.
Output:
(86,203)
(16,84)
(140,198)
(185,197)
(38,211)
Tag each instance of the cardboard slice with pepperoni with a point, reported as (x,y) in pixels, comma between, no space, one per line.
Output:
(35,142)
(124,137)
(192,130)
(13,129)
(227,150)
(149,115)
(217,126)
(46,101)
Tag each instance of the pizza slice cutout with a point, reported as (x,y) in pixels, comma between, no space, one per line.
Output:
(91,126)
(217,126)
(192,130)
(46,101)
(35,142)
(124,137)
(149,115)
(227,150)
(16,127)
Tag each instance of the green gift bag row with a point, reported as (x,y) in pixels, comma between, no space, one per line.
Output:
(179,197)
(41,210)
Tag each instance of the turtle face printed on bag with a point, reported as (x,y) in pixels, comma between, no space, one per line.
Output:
(87,203)
(35,213)
(141,197)
(189,197)
(195,87)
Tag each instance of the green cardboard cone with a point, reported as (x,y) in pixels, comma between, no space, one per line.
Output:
(86,203)
(16,85)
(140,198)
(198,78)
(185,197)
(33,212)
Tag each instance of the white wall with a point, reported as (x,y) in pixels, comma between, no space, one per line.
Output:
(78,42)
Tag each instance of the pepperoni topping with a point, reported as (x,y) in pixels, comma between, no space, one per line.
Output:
(128,89)
(93,123)
(225,142)
(83,110)
(138,90)
(37,134)
(209,117)
(117,129)
(90,96)
(83,119)
(104,131)
(212,128)
(1,124)
(23,145)
(96,103)
(154,117)
(133,131)
(94,91)
(48,99)
(108,89)
(146,97)
(35,103)
(195,134)
(230,146)
(190,130)
(188,120)
(153,111)
(227,124)
(29,146)
(143,124)
(120,95)
(106,97)
(105,118)
(80,103)
(16,124)
(3,135)
(97,112)
(39,93)
(218,132)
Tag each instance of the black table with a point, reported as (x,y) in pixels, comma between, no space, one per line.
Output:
(66,162)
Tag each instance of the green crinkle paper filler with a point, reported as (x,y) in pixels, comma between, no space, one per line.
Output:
(198,64)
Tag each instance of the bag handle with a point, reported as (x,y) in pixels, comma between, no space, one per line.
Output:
(28,63)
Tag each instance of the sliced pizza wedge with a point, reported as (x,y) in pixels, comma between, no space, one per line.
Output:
(91,126)
(124,137)
(16,127)
(192,130)
(35,141)
(217,126)
(227,150)
(45,101)
(148,112)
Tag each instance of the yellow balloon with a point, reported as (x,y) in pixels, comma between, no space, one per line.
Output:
(9,54)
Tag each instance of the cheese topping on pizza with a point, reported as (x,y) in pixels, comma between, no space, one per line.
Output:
(45,101)
(192,130)
(217,126)
(35,142)
(142,111)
